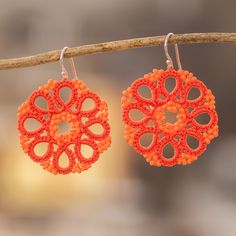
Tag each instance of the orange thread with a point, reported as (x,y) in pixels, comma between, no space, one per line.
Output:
(163,132)
(71,112)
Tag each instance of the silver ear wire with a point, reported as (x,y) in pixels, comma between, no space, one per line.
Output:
(64,72)
(169,61)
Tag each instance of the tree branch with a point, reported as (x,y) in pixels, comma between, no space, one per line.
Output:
(53,56)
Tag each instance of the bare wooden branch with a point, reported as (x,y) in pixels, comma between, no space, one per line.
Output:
(53,56)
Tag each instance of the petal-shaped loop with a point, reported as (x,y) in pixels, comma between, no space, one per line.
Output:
(81,155)
(138,145)
(30,133)
(136,123)
(71,99)
(94,110)
(176,151)
(201,143)
(152,90)
(200,99)
(201,110)
(46,98)
(47,153)
(170,94)
(71,160)
(94,133)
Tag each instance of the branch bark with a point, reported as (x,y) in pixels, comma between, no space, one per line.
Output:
(53,56)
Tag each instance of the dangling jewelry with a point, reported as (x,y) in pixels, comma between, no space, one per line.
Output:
(72,112)
(163,103)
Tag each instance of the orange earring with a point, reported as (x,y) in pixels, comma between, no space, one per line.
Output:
(157,108)
(72,112)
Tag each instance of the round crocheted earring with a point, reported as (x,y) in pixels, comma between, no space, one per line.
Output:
(76,148)
(169,115)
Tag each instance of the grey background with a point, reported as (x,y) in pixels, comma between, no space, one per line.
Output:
(122,195)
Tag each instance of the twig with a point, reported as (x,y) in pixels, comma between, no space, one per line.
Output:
(53,56)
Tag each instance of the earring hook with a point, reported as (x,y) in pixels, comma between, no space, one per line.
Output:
(64,72)
(169,61)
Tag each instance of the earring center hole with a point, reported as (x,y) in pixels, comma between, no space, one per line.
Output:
(64,127)
(170,117)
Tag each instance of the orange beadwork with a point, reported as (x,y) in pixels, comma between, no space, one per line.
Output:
(71,112)
(154,121)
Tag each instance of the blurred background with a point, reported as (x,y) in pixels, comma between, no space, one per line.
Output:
(121,194)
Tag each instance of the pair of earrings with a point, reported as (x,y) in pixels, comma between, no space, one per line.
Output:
(154,122)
